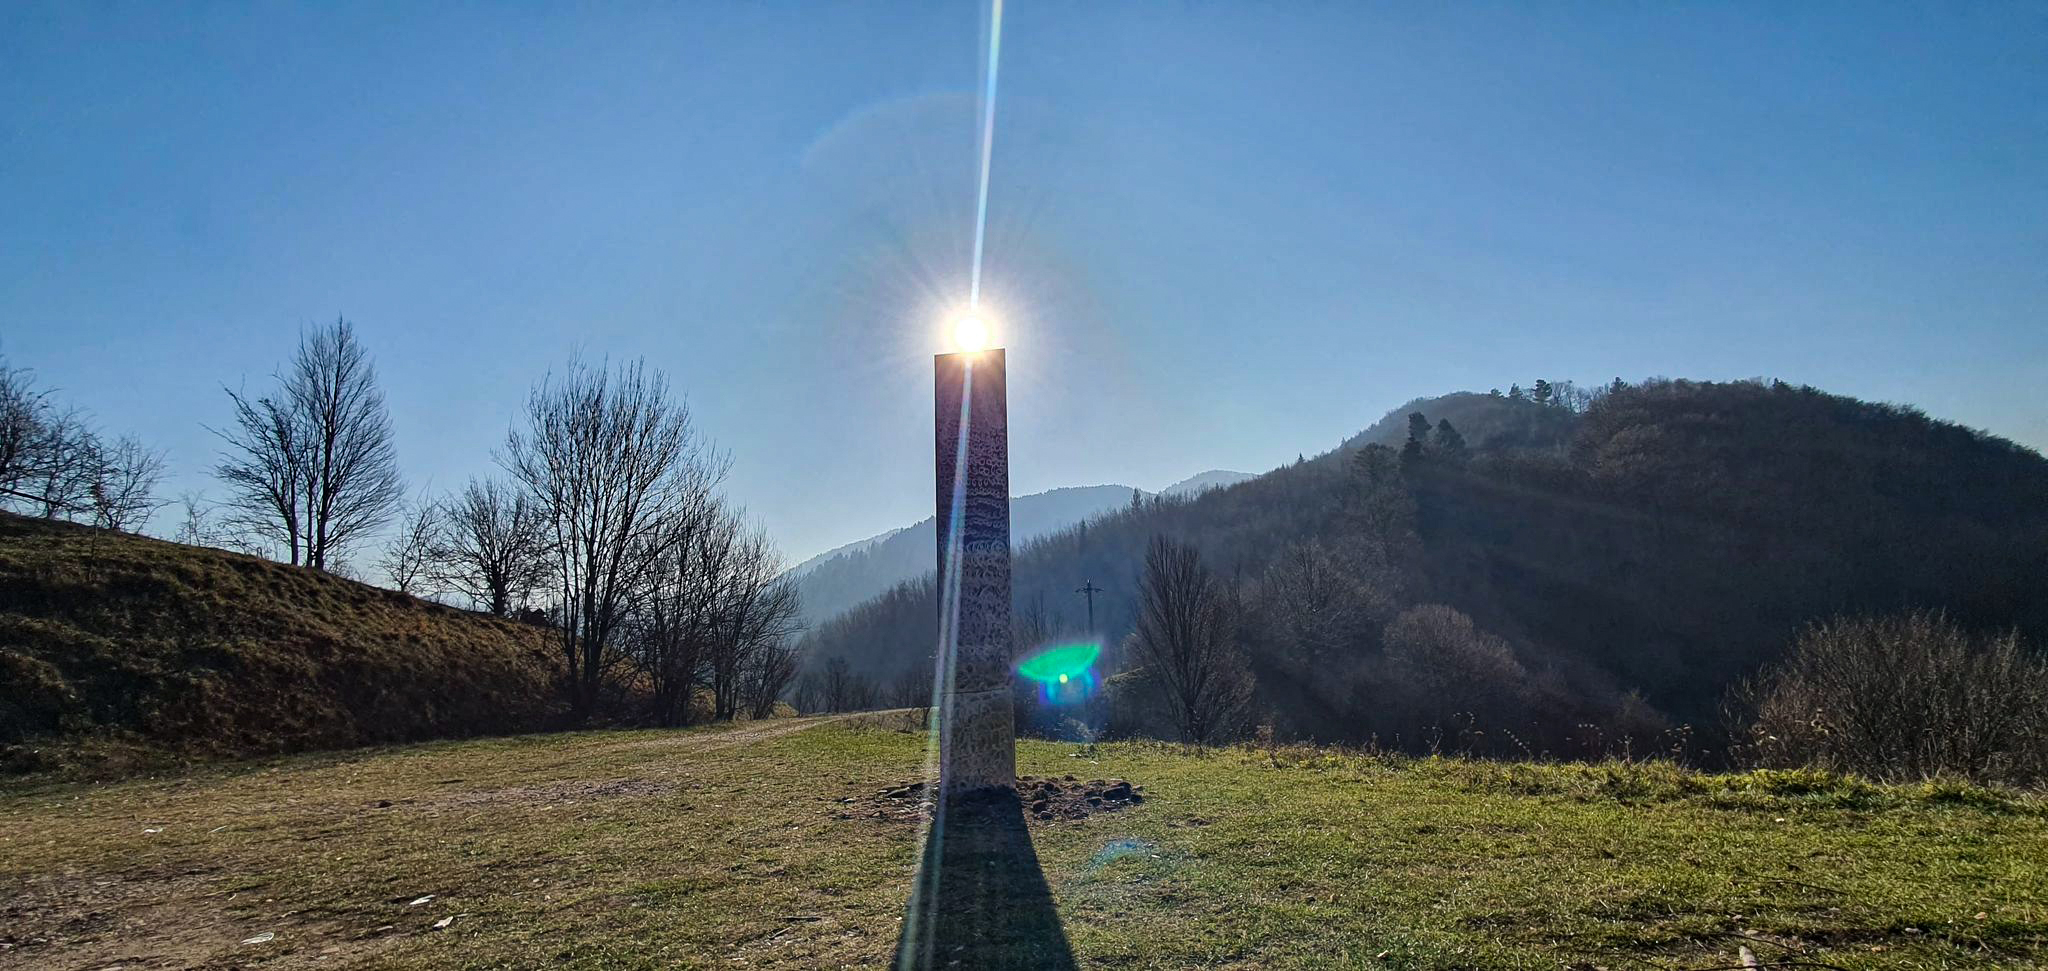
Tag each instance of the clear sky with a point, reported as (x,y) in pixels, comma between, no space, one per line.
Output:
(1220,234)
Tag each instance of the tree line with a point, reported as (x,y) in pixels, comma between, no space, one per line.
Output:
(607,524)
(57,464)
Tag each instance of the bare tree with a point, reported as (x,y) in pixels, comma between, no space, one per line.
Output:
(767,675)
(55,465)
(71,466)
(760,611)
(123,490)
(844,689)
(715,611)
(809,695)
(1317,606)
(352,485)
(681,611)
(1187,642)
(611,460)
(864,694)
(911,688)
(408,559)
(489,547)
(23,408)
(265,473)
(314,465)
(195,526)
(1451,676)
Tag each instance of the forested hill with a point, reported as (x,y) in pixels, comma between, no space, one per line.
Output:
(1665,539)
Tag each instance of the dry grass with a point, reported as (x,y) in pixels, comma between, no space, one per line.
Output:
(745,846)
(115,648)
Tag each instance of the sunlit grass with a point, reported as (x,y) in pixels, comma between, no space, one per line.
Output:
(727,846)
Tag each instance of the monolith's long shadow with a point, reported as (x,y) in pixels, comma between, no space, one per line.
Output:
(981,900)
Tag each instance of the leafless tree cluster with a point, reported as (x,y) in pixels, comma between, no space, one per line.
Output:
(1907,697)
(610,521)
(1438,654)
(1186,641)
(910,688)
(311,466)
(836,686)
(1318,604)
(54,464)
(714,613)
(644,563)
(483,545)
(766,677)
(487,546)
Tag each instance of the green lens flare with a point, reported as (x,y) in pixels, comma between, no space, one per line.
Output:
(1058,665)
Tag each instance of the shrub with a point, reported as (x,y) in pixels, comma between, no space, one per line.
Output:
(1907,697)
(1439,654)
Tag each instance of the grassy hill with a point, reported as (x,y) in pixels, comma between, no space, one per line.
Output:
(764,845)
(115,647)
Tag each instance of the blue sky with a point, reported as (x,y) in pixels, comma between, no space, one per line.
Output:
(1220,234)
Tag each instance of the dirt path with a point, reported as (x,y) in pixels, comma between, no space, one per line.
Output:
(751,732)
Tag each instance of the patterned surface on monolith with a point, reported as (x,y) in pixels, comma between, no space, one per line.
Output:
(977,735)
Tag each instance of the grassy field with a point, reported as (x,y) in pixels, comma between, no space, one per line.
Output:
(759,846)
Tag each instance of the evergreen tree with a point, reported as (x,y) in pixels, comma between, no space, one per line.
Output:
(1448,439)
(1542,392)
(1418,432)
(1514,392)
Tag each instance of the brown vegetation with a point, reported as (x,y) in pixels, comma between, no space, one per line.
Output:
(1901,698)
(115,642)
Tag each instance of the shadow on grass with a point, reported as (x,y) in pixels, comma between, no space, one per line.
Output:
(981,900)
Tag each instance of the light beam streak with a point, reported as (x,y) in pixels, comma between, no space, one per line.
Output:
(988,138)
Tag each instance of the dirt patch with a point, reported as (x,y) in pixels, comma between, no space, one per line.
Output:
(1070,798)
(1044,799)
(142,921)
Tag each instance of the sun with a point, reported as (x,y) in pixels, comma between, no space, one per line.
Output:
(971,332)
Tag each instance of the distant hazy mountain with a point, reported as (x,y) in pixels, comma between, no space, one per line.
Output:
(837,579)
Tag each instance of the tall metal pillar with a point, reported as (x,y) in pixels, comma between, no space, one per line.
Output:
(977,719)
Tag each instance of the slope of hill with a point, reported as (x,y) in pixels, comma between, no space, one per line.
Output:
(832,582)
(128,645)
(1632,561)
(857,546)
(1201,482)
(769,847)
